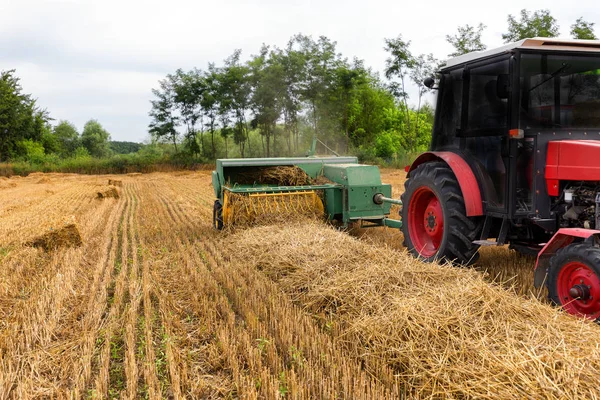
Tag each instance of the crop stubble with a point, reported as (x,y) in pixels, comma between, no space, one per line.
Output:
(155,304)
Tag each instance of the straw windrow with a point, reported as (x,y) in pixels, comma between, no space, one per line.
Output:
(444,330)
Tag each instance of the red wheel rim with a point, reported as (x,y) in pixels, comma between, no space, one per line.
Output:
(577,277)
(425,222)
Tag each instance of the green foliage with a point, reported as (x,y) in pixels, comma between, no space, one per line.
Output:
(538,24)
(273,104)
(32,151)
(20,118)
(118,147)
(67,137)
(583,30)
(467,39)
(95,139)
(81,153)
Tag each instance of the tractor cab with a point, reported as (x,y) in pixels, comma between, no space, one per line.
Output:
(514,158)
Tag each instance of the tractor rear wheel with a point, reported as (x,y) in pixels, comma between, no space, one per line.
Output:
(435,224)
(574,280)
(218,215)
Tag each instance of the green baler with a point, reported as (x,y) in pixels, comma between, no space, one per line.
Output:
(344,190)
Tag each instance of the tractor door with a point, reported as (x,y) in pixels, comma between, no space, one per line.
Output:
(485,121)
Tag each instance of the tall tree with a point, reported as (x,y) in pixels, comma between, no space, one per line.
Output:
(164,119)
(538,24)
(210,104)
(320,62)
(583,30)
(398,65)
(466,40)
(20,118)
(95,139)
(68,138)
(236,90)
(267,91)
(187,91)
(424,66)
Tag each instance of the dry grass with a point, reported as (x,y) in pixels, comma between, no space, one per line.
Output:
(444,330)
(155,304)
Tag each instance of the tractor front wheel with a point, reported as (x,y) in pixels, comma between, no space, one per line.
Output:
(574,280)
(435,224)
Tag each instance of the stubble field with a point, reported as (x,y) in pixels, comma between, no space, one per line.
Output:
(156,304)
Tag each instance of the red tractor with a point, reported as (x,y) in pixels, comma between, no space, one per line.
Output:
(515,156)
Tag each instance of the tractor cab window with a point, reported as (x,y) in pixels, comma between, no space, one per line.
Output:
(487,127)
(559,91)
(450,110)
(488,98)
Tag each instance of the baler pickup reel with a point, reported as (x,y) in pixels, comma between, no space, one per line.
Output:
(251,191)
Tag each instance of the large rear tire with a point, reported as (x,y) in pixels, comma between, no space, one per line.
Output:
(435,224)
(574,280)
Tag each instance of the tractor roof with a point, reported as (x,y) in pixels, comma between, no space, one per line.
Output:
(535,43)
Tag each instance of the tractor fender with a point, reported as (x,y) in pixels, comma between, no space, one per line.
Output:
(464,174)
(562,238)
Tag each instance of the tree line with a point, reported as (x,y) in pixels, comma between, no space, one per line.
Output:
(26,130)
(276,101)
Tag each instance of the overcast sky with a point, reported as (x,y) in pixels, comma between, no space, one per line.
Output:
(100,59)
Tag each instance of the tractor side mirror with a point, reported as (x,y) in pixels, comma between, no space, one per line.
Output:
(429,82)
(502,86)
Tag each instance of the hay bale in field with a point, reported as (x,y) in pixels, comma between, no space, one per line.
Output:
(115,182)
(44,179)
(67,236)
(108,192)
(445,331)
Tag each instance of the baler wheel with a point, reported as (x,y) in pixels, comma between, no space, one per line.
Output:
(574,280)
(218,215)
(436,226)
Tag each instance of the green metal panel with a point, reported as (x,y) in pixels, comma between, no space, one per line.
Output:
(216,184)
(352,174)
(393,223)
(334,206)
(360,201)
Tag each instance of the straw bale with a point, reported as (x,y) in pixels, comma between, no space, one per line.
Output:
(67,236)
(115,182)
(280,175)
(108,192)
(444,330)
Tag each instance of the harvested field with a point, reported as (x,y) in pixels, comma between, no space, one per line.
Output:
(156,304)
